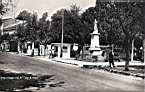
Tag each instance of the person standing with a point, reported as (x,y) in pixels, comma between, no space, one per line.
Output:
(111,61)
(50,53)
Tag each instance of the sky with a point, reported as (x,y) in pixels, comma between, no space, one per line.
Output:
(50,6)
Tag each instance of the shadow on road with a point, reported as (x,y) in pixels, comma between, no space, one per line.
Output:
(18,82)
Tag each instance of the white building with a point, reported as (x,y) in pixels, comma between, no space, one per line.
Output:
(66,50)
(8,27)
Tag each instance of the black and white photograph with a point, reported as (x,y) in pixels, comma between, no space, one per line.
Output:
(72,45)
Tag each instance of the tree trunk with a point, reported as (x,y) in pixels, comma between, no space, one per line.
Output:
(127,51)
(132,50)
(78,52)
(82,56)
(18,48)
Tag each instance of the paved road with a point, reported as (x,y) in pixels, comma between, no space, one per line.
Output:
(76,79)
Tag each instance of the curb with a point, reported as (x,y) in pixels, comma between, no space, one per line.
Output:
(106,68)
(64,62)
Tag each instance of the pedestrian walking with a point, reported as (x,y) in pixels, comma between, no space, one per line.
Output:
(111,60)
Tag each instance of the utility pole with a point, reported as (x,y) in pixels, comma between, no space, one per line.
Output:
(62,33)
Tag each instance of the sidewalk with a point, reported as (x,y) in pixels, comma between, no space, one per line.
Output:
(83,63)
(136,67)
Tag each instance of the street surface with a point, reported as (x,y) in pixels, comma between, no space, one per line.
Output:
(75,78)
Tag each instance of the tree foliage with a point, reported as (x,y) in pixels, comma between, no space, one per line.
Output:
(4,6)
(3,10)
(88,18)
(33,29)
(121,21)
(25,31)
(76,25)
(43,31)
(24,15)
(72,25)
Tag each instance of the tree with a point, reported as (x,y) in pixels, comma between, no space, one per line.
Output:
(34,29)
(4,6)
(56,26)
(3,10)
(72,24)
(22,33)
(88,18)
(28,30)
(74,28)
(44,28)
(130,18)
(25,16)
(125,18)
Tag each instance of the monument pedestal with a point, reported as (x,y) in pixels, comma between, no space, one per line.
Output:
(95,51)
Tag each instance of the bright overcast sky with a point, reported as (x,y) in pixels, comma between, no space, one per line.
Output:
(50,6)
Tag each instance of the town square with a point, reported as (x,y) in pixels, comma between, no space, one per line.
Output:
(72,46)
